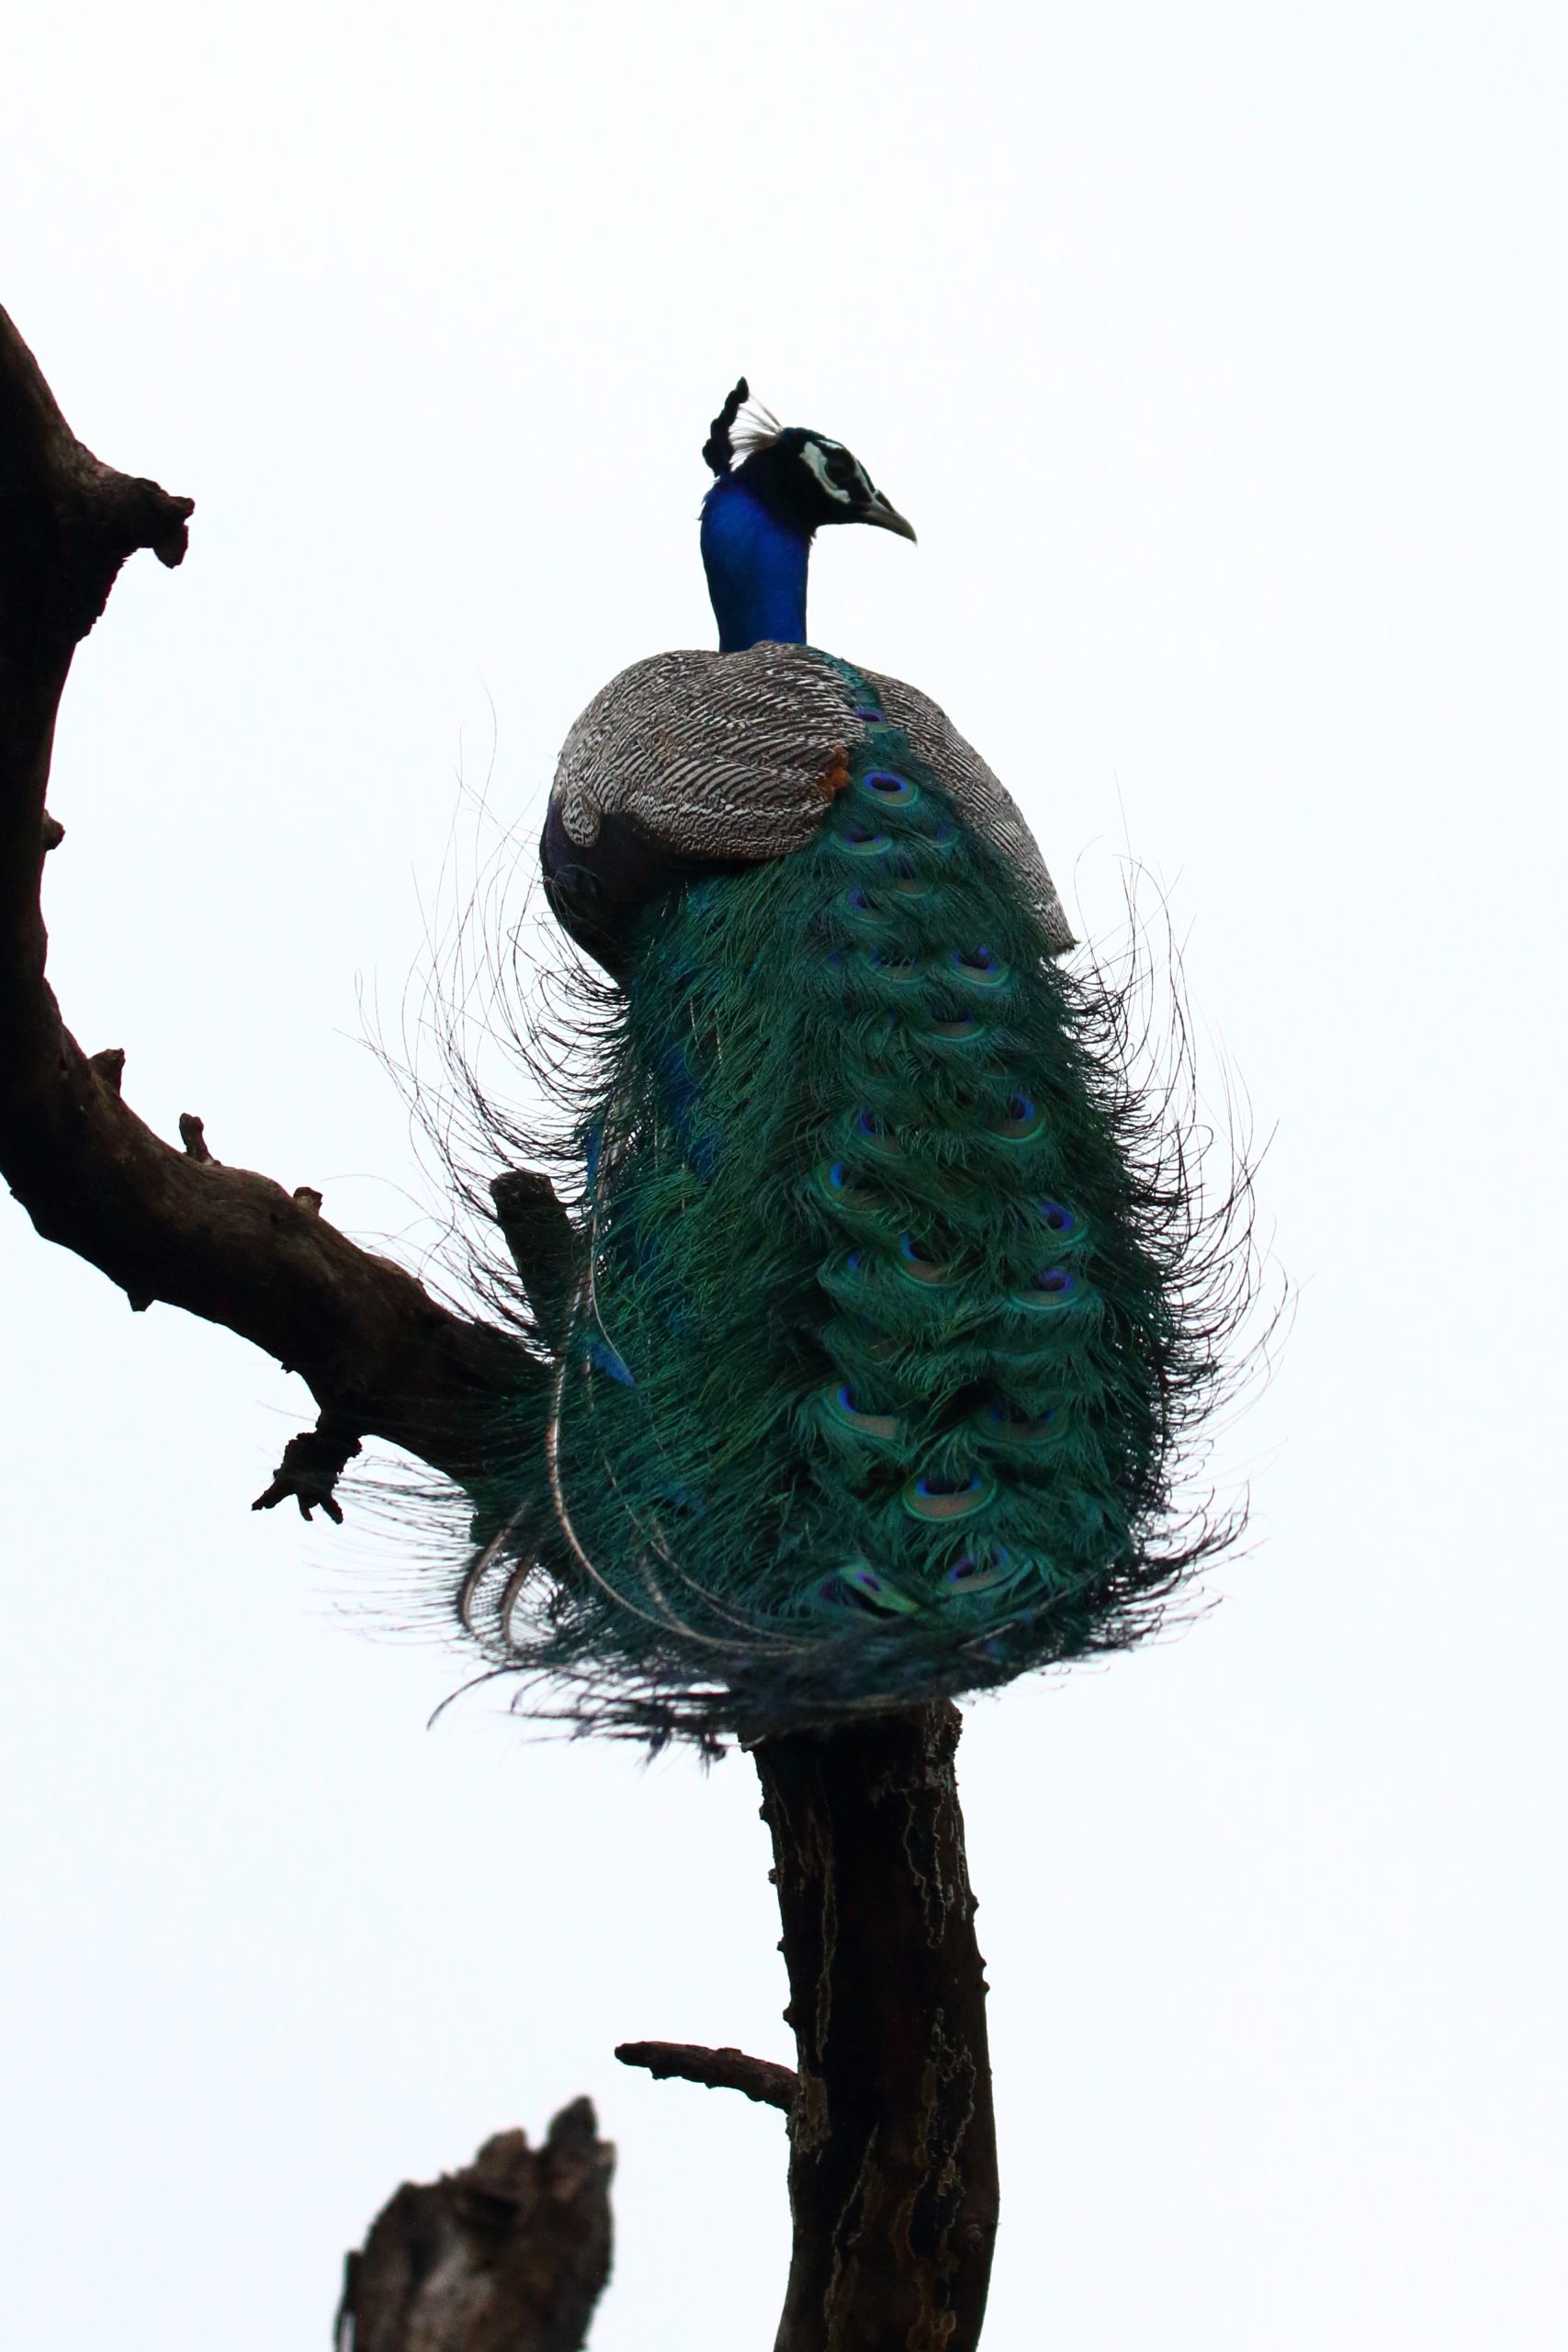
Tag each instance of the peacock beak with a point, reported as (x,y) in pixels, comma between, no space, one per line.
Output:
(886,518)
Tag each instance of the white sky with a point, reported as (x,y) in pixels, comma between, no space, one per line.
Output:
(1218,356)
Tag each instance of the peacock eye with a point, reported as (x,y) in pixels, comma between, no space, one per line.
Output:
(981,968)
(858,1583)
(946,1023)
(931,1496)
(921,1264)
(1022,1120)
(865,1421)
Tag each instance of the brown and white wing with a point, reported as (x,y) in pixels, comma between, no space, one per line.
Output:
(697,762)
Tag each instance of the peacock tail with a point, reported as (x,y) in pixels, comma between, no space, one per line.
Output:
(870,1377)
(865,1368)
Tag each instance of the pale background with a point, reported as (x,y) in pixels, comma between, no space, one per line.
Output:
(1218,355)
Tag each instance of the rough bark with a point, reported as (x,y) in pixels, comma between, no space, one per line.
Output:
(510,2254)
(716,2070)
(893,2157)
(380,1354)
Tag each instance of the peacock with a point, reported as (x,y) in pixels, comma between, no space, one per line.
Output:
(884,1305)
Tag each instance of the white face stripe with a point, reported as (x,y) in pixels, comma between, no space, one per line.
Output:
(812,454)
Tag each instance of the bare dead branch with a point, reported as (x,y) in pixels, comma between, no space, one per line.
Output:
(381,1356)
(538,1233)
(510,2254)
(69,521)
(311,1465)
(716,2070)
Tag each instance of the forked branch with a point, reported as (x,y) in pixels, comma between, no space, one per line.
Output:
(381,1356)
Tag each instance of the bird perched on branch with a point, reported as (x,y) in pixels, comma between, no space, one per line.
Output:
(887,1304)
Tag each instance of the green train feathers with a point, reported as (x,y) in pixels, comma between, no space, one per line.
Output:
(889,1313)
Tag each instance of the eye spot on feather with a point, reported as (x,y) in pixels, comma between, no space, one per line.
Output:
(847,1410)
(869,1127)
(1020,1122)
(1057,1218)
(955,1027)
(932,1498)
(978,966)
(971,1572)
(916,1261)
(891,788)
(841,1193)
(856,838)
(1005,1424)
(1048,1292)
(857,1583)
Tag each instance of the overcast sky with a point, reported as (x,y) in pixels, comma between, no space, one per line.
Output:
(1218,356)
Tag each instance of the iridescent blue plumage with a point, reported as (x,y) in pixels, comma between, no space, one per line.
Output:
(756,569)
(759,519)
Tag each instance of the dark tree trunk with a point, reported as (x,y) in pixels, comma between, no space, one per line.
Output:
(893,2154)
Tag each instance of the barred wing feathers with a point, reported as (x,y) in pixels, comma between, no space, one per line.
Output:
(694,761)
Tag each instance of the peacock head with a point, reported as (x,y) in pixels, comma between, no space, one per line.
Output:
(775,487)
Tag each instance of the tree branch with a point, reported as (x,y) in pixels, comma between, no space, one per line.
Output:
(311,1465)
(716,2070)
(510,2254)
(538,1233)
(381,1355)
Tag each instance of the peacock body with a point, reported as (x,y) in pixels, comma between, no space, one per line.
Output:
(877,1341)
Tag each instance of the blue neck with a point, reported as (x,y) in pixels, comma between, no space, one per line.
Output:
(756,569)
